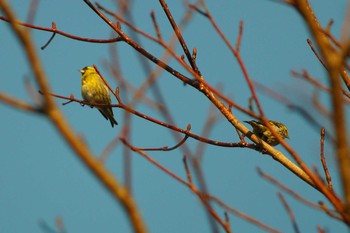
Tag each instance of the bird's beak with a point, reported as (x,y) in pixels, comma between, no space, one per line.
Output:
(81,71)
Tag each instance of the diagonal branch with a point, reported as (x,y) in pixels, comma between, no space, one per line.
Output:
(179,36)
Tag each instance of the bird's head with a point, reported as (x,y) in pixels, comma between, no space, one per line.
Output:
(87,70)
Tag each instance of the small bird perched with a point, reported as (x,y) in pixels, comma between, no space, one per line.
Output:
(95,91)
(260,130)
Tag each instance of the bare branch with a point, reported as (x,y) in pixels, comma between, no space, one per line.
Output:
(16,103)
(334,62)
(54,30)
(244,216)
(179,36)
(323,161)
(290,213)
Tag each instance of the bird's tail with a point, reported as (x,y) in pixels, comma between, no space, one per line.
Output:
(108,114)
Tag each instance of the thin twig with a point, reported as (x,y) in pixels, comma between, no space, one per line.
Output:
(331,213)
(208,127)
(52,36)
(106,152)
(227,220)
(240,35)
(62,33)
(237,55)
(290,212)
(32,11)
(166,148)
(156,27)
(297,196)
(244,216)
(204,189)
(316,102)
(286,189)
(150,159)
(323,160)
(187,169)
(196,8)
(306,76)
(179,36)
(316,54)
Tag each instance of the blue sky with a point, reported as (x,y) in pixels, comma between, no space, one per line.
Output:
(41,179)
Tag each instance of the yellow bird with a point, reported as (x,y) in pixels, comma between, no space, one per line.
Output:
(95,91)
